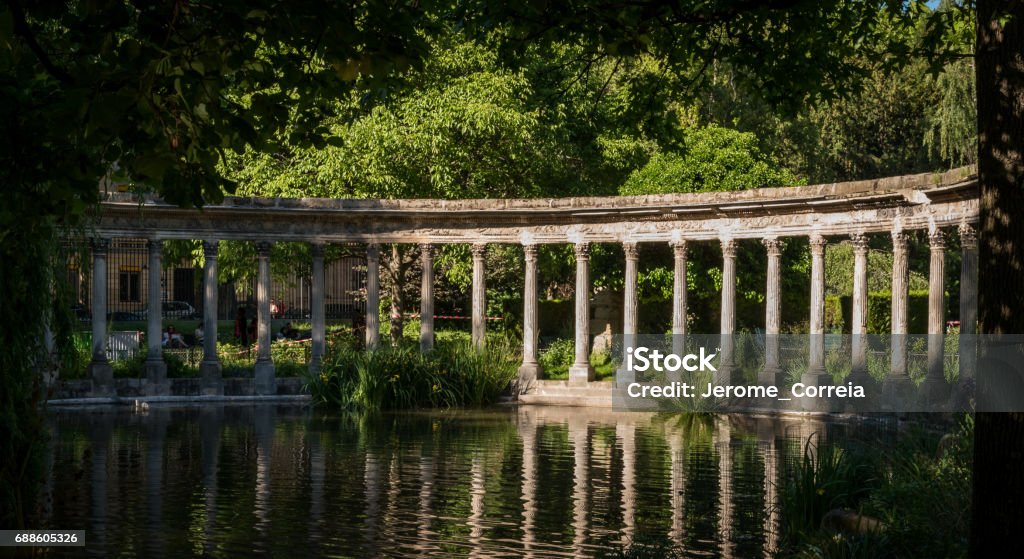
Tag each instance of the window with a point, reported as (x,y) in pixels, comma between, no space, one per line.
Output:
(128,286)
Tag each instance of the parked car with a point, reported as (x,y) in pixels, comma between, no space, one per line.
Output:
(173,309)
(122,316)
(81,313)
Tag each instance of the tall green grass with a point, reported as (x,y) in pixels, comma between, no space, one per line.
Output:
(451,375)
(921,496)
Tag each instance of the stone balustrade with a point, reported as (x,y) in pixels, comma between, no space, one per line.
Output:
(937,203)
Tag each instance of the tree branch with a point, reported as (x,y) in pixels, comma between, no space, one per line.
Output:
(23,30)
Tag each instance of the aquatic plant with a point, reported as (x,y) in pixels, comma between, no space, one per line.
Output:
(451,375)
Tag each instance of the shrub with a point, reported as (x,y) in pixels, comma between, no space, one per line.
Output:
(453,374)
(556,359)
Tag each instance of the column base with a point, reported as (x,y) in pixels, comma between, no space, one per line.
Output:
(211,383)
(896,392)
(265,383)
(624,376)
(817,377)
(315,364)
(935,390)
(771,375)
(580,375)
(101,373)
(156,378)
(528,375)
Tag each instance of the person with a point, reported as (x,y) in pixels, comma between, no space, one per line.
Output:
(241,331)
(288,332)
(274,309)
(253,329)
(172,338)
(199,333)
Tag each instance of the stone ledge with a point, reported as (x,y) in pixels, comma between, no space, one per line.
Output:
(136,388)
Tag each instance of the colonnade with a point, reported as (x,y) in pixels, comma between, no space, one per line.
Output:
(580,372)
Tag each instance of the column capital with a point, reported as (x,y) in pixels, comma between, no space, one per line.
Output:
(679,248)
(899,241)
(373,251)
(154,245)
(99,245)
(530,252)
(582,251)
(479,250)
(263,248)
(316,249)
(427,249)
(210,249)
(859,241)
(728,247)
(631,250)
(968,236)
(817,244)
(937,240)
(774,246)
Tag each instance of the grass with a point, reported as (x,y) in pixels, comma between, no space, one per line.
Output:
(922,497)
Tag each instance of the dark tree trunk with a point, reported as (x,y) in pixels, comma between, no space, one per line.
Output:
(998,515)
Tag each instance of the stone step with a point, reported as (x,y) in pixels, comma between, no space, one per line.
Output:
(558,392)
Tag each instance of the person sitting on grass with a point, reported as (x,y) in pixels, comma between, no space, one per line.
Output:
(173,339)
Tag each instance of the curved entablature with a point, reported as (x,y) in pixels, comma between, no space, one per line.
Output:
(925,201)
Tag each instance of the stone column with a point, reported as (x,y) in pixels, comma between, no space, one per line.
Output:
(372,296)
(210,368)
(859,328)
(156,369)
(479,295)
(968,301)
(898,382)
(935,386)
(530,369)
(316,311)
(100,372)
(581,372)
(679,298)
(427,297)
(773,312)
(816,361)
(624,375)
(728,308)
(265,383)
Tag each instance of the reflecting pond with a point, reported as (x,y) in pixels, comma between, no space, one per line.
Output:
(230,480)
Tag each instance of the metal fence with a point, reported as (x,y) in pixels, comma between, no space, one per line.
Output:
(181,287)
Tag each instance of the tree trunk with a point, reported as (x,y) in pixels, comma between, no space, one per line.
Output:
(998,516)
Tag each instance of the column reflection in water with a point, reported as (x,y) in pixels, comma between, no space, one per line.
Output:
(317,475)
(426,511)
(528,432)
(476,506)
(677,484)
(579,433)
(102,426)
(263,420)
(371,487)
(626,435)
(155,429)
(771,497)
(723,443)
(210,425)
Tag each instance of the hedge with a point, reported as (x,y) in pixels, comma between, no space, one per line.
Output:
(839,313)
